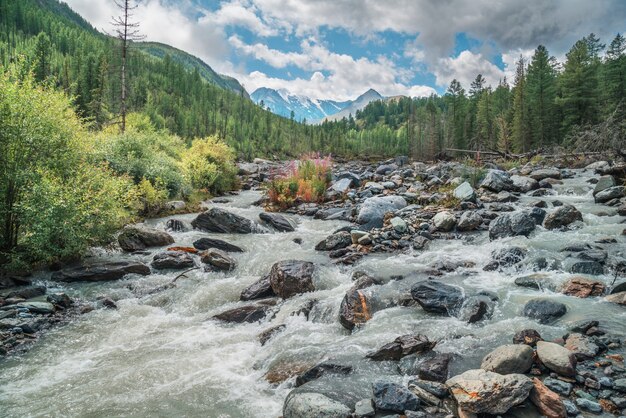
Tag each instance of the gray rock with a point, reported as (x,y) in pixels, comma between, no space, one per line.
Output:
(308,405)
(545,173)
(558,386)
(101,272)
(469,221)
(444,221)
(249,314)
(218,259)
(136,238)
(587,405)
(611,193)
(207,243)
(37,307)
(465,192)
(562,216)
(364,409)
(335,241)
(222,221)
(479,391)
(511,224)
(174,260)
(386,168)
(476,308)
(620,385)
(393,397)
(373,210)
(322,369)
(435,369)
(342,185)
(507,359)
(247,169)
(604,182)
(178,225)
(592,268)
(583,347)
(291,277)
(277,221)
(544,310)
(437,297)
(571,408)
(401,347)
(354,308)
(524,184)
(497,181)
(399,224)
(260,289)
(557,358)
(27,292)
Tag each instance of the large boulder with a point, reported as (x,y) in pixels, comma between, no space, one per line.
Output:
(208,243)
(524,184)
(583,347)
(335,241)
(260,289)
(373,210)
(604,182)
(583,287)
(562,216)
(511,225)
(401,347)
(444,221)
(507,359)
(278,222)
(174,260)
(497,181)
(393,397)
(547,402)
(136,238)
(611,193)
(222,221)
(557,358)
(544,310)
(465,192)
(545,173)
(354,308)
(482,392)
(291,277)
(101,272)
(342,185)
(437,297)
(436,368)
(469,221)
(218,259)
(307,405)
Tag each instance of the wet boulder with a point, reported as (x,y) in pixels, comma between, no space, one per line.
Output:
(267,335)
(373,210)
(507,359)
(609,194)
(509,256)
(223,221)
(444,221)
(310,404)
(583,347)
(435,368)
(322,369)
(291,277)
(544,310)
(172,260)
(402,347)
(178,225)
(101,272)
(393,397)
(545,173)
(437,297)
(557,358)
(335,241)
(497,181)
(208,243)
(562,217)
(260,289)
(278,222)
(218,259)
(140,238)
(511,225)
(469,221)
(60,299)
(27,292)
(619,298)
(524,184)
(249,314)
(42,308)
(592,268)
(476,308)
(354,308)
(604,182)
(582,287)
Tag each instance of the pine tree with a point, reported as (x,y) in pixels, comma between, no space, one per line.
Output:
(456,97)
(43,57)
(541,87)
(614,75)
(484,121)
(520,132)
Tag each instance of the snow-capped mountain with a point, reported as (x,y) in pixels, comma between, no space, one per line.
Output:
(357,104)
(283,103)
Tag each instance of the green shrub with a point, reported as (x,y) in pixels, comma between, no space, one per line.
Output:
(209,165)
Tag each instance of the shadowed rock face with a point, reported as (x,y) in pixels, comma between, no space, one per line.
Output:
(222,221)
(136,239)
(291,277)
(101,272)
(250,313)
(437,297)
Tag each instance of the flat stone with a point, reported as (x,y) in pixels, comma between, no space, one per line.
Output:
(172,260)
(559,386)
(140,238)
(37,307)
(465,192)
(261,289)
(583,287)
(278,222)
(507,359)
(557,358)
(250,313)
(583,347)
(401,347)
(218,259)
(544,310)
(308,405)
(546,401)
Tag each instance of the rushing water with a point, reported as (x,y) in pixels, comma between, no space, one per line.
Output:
(161,355)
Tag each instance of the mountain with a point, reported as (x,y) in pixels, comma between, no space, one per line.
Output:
(282,103)
(358,104)
(191,63)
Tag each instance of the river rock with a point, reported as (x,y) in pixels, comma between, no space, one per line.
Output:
(223,221)
(60,299)
(562,216)
(465,192)
(435,369)
(581,287)
(547,402)
(136,238)
(437,297)
(511,224)
(354,308)
(278,222)
(544,310)
(545,173)
(27,292)
(557,358)
(476,308)
(398,224)
(249,313)
(401,347)
(524,184)
(174,260)
(507,359)
(592,268)
(266,335)
(100,272)
(335,241)
(394,398)
(479,391)
(497,181)
(611,193)
(218,259)
(469,221)
(178,225)
(604,182)
(320,370)
(37,307)
(619,298)
(291,277)
(444,221)
(583,347)
(528,336)
(342,185)
(208,243)
(373,210)
(364,409)
(308,405)
(588,405)
(559,386)
(260,289)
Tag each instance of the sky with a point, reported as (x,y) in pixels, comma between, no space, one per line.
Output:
(338,49)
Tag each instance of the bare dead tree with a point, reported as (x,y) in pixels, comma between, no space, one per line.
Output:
(127,31)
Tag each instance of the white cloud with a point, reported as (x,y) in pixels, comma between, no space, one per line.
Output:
(465,67)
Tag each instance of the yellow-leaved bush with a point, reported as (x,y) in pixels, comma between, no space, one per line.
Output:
(209,165)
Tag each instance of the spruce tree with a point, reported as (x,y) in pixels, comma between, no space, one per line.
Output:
(520,130)
(541,87)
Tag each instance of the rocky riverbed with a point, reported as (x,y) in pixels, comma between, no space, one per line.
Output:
(416,290)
